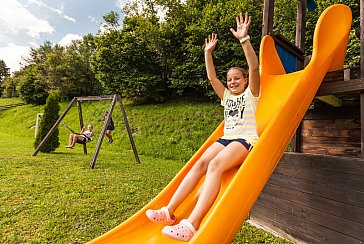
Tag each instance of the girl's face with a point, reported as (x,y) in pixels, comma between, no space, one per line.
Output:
(89,127)
(236,82)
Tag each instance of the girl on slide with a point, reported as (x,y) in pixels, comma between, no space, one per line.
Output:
(240,100)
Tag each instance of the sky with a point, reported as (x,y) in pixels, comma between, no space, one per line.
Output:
(26,24)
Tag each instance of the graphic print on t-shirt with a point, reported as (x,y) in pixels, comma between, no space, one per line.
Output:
(234,109)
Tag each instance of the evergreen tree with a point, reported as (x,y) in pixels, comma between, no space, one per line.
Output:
(50,116)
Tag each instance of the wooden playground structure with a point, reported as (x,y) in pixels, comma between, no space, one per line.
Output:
(316,193)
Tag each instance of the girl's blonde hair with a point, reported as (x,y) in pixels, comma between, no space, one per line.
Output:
(242,70)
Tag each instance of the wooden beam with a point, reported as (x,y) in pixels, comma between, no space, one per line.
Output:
(54,127)
(102,135)
(341,87)
(268,13)
(295,144)
(301,29)
(298,50)
(362,74)
(118,98)
(81,124)
(301,24)
(362,125)
(362,38)
(95,98)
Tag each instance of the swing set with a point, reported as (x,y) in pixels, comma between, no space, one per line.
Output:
(78,101)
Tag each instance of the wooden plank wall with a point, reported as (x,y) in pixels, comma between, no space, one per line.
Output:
(332,131)
(314,199)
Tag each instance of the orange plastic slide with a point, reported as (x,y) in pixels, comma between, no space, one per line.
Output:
(285,99)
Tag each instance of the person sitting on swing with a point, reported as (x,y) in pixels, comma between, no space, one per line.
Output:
(83,137)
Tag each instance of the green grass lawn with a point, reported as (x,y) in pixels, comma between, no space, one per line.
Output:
(56,198)
(8,101)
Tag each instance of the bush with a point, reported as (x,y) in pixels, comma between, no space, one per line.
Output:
(50,116)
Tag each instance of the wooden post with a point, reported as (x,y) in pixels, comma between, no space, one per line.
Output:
(54,127)
(128,129)
(39,115)
(268,13)
(102,135)
(362,75)
(81,123)
(301,27)
(300,43)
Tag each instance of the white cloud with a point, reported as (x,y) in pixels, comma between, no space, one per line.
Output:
(69,18)
(14,18)
(59,10)
(67,39)
(94,20)
(12,54)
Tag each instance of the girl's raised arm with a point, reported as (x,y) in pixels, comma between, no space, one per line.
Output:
(210,44)
(241,34)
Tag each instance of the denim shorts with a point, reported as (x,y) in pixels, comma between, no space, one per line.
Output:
(226,142)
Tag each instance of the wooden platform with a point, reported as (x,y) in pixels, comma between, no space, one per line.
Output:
(314,199)
(317,195)
(332,131)
(342,82)
(335,130)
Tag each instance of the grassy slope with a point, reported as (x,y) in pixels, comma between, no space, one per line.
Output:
(56,198)
(8,101)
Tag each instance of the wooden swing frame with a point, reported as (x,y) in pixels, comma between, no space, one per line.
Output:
(78,100)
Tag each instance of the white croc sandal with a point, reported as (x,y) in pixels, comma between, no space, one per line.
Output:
(160,216)
(183,231)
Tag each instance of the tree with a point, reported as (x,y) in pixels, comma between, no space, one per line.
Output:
(9,87)
(157,51)
(4,73)
(50,116)
(67,69)
(4,70)
(158,54)
(78,79)
(127,64)
(112,20)
(31,90)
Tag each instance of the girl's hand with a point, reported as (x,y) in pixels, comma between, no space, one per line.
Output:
(242,26)
(210,42)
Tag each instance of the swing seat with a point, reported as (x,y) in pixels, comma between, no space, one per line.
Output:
(83,142)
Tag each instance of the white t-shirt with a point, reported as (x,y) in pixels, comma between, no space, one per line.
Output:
(88,135)
(239,115)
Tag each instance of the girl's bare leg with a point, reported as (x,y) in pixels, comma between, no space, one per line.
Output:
(108,134)
(232,155)
(74,139)
(190,181)
(70,140)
